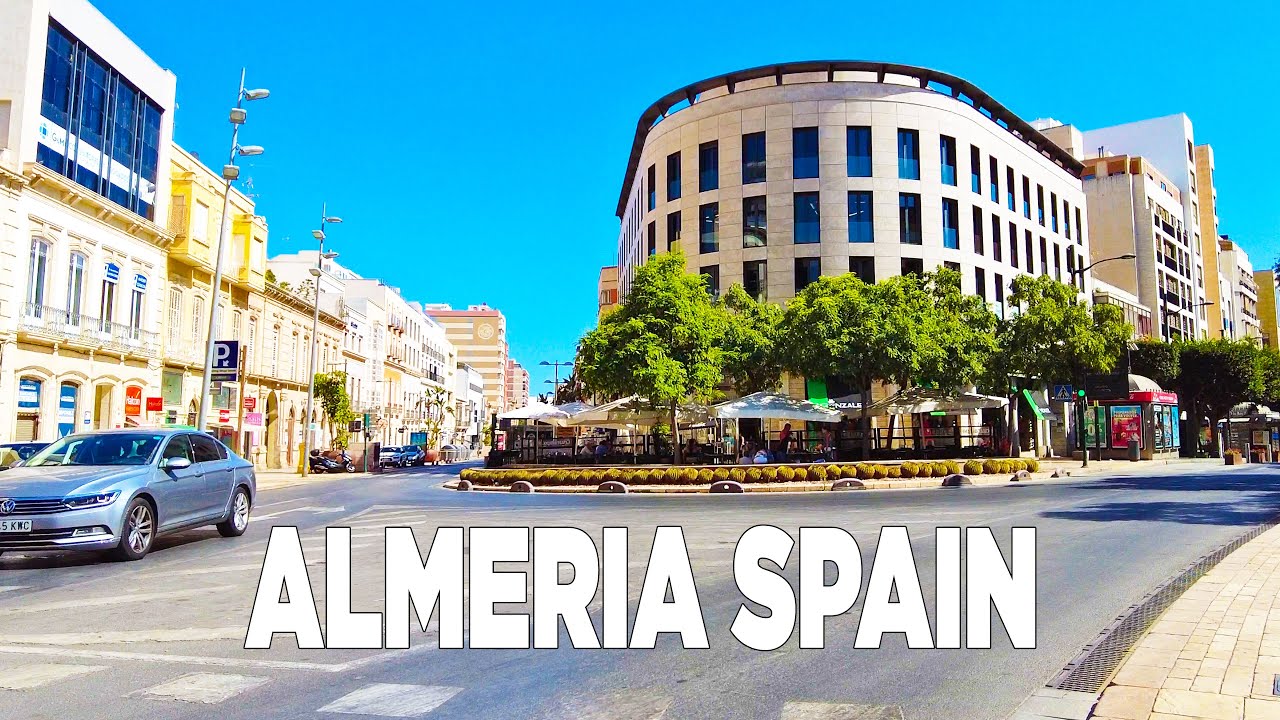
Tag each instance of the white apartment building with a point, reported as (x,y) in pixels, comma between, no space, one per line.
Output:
(85,125)
(469,407)
(1239,292)
(1169,144)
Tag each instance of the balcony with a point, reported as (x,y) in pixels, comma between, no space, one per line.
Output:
(63,327)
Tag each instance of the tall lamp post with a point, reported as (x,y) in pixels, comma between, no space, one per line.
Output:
(556,385)
(1080,393)
(230,172)
(316,272)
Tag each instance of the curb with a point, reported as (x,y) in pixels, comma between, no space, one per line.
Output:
(906,484)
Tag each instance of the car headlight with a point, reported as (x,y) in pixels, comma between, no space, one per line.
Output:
(88,501)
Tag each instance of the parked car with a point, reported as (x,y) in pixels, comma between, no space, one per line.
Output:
(118,490)
(13,453)
(412,455)
(391,456)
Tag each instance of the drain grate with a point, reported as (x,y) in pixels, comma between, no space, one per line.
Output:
(1093,667)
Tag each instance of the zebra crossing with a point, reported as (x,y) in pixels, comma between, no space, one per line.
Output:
(400,700)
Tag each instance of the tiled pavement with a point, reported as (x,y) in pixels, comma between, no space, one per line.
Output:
(1215,653)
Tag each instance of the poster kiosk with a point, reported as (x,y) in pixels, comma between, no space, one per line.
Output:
(1149,417)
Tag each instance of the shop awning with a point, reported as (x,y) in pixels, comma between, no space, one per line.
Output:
(931,400)
(772,406)
(635,411)
(1038,401)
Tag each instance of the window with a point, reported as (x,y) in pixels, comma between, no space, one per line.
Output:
(947,154)
(673,229)
(912,266)
(1071,264)
(252,340)
(1040,204)
(205,448)
(1044,257)
(977,231)
(175,317)
(999,290)
(1026,197)
(807,223)
(135,312)
(755,221)
(858,142)
(909,219)
(1031,260)
(996,251)
(1057,262)
(709,228)
(75,288)
(804,152)
(651,233)
(993,180)
(1008,188)
(950,224)
(197,320)
(807,270)
(37,276)
(753,164)
(711,278)
(1013,245)
(755,278)
(861,223)
(105,135)
(954,266)
(107,310)
(1080,230)
(1066,219)
(1053,211)
(708,166)
(980,283)
(652,186)
(673,176)
(975,169)
(179,447)
(909,154)
(863,268)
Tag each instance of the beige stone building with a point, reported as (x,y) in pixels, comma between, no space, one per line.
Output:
(1268,321)
(607,290)
(479,335)
(518,389)
(1215,279)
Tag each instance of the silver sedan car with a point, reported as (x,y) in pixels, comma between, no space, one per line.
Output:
(118,490)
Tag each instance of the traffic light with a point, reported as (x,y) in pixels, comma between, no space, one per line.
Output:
(1080,393)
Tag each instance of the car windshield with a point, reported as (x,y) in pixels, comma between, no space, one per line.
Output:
(103,449)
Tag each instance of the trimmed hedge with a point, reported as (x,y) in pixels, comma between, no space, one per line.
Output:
(747,474)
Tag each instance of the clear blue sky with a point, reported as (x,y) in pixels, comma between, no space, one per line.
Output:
(476,150)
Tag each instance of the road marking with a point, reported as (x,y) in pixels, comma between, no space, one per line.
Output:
(636,704)
(7,588)
(797,710)
(390,700)
(111,637)
(25,677)
(206,688)
(114,600)
(306,508)
(255,567)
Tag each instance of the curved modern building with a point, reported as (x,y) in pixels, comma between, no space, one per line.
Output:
(773,176)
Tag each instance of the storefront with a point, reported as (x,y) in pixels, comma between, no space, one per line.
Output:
(1149,418)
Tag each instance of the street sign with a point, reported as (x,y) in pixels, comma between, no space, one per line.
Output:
(155,404)
(1114,386)
(1063,393)
(224,415)
(250,403)
(226,361)
(354,426)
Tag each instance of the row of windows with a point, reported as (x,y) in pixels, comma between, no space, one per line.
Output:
(807,228)
(858,141)
(73,313)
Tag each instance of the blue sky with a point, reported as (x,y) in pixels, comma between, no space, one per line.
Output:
(476,150)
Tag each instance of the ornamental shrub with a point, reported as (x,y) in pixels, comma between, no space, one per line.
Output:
(1019,464)
(769,473)
(688,476)
(786,473)
(613,474)
(705,476)
(895,471)
(881,471)
(908,469)
(973,467)
(671,475)
(754,474)
(720,474)
(801,474)
(865,471)
(1033,465)
(940,469)
(952,466)
(817,473)
(833,473)
(990,467)
(468,474)
(738,474)
(849,470)
(924,470)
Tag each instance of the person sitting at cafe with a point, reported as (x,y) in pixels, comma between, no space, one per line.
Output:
(785,440)
(762,456)
(602,450)
(692,449)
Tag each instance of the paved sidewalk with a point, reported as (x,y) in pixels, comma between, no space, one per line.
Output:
(275,479)
(1215,653)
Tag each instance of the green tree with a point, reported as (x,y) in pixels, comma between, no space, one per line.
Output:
(1267,364)
(662,343)
(751,335)
(435,403)
(331,391)
(1216,375)
(1051,335)
(1156,360)
(959,333)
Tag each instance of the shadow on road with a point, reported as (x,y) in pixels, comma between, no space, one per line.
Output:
(1249,497)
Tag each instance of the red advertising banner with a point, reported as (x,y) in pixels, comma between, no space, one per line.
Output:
(1126,425)
(155,404)
(132,400)
(250,403)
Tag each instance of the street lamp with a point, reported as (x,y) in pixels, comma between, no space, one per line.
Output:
(1073,272)
(316,272)
(230,172)
(556,385)
(1168,312)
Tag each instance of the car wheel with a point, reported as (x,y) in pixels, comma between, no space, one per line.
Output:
(137,532)
(238,520)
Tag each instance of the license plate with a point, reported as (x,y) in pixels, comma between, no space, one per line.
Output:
(15,526)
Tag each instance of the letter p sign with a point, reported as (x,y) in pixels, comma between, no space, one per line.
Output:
(226,361)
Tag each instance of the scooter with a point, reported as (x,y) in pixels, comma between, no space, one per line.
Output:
(320,464)
(346,462)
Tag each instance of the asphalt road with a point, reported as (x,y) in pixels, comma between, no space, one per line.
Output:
(163,638)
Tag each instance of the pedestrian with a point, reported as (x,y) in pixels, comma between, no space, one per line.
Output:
(784,442)
(828,443)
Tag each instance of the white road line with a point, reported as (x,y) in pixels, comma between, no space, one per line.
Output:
(631,704)
(796,710)
(307,508)
(25,677)
(7,588)
(390,700)
(112,600)
(206,688)
(255,567)
(112,637)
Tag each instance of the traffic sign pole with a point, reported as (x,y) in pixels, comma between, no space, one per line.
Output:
(240,413)
(1084,447)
